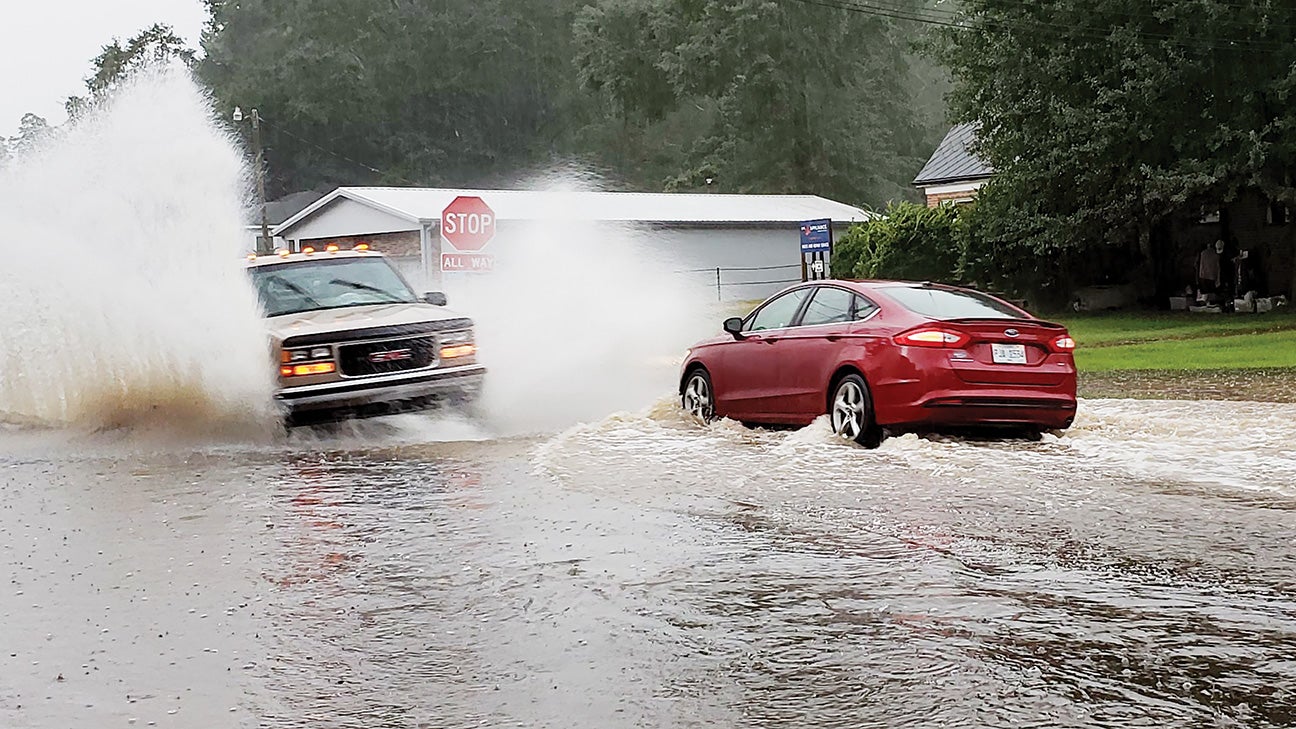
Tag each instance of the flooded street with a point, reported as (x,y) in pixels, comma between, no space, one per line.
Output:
(646,571)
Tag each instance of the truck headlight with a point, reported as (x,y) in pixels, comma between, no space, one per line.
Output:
(310,354)
(458,346)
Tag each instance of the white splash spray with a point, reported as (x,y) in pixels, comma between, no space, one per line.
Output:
(580,320)
(125,303)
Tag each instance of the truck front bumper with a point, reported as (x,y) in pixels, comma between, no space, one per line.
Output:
(384,395)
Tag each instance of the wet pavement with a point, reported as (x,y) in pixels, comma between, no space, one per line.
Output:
(644,571)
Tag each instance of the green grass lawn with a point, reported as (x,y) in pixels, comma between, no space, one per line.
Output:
(1170,341)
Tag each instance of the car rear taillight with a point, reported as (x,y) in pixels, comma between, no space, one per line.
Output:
(1063,343)
(933,337)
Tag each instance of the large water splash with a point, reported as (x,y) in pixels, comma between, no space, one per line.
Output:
(124,301)
(579,319)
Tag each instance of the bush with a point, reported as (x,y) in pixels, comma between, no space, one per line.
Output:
(909,242)
(991,245)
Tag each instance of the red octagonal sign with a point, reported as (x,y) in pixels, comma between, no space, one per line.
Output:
(468,223)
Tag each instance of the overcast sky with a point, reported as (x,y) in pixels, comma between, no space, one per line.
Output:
(46,47)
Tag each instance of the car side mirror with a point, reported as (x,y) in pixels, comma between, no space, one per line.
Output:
(734,326)
(435,298)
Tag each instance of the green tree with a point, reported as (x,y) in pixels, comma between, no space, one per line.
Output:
(32,131)
(1104,118)
(155,45)
(456,92)
(795,96)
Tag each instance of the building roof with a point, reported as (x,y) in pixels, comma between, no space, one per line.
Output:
(953,160)
(424,205)
(277,211)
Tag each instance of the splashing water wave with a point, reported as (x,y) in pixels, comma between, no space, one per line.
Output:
(126,305)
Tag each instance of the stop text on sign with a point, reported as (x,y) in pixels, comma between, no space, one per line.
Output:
(467,224)
(470,223)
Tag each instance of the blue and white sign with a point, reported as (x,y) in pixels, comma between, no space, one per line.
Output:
(816,235)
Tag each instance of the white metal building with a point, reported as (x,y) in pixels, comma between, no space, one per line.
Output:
(753,240)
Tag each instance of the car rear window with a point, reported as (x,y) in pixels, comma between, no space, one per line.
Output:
(946,304)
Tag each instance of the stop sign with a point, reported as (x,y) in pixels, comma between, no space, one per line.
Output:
(468,223)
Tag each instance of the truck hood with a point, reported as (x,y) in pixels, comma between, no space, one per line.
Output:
(326,321)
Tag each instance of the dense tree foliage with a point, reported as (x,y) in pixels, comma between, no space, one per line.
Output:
(1104,118)
(760,95)
(449,92)
(793,96)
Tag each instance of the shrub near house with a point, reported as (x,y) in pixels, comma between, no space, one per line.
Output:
(981,245)
(909,242)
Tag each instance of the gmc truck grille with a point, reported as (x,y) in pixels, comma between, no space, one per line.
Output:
(387,357)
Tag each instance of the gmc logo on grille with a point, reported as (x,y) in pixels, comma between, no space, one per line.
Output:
(391,355)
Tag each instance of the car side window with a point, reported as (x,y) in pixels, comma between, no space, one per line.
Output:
(864,308)
(830,305)
(778,312)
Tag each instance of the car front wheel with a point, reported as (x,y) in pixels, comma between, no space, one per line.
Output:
(851,410)
(698,398)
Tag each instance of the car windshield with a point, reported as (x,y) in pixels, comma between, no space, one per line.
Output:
(290,288)
(947,304)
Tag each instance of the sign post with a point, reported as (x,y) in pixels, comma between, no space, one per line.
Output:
(467,225)
(816,240)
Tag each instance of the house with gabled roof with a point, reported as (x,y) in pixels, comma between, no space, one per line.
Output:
(954,173)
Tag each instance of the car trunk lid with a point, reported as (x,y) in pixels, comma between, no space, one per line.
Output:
(1008,351)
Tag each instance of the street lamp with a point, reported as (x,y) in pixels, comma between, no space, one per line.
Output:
(264,243)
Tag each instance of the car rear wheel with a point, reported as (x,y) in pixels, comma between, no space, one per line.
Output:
(698,397)
(852,412)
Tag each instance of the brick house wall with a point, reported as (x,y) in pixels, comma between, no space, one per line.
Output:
(950,197)
(398,245)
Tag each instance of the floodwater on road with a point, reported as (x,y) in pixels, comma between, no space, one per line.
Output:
(645,571)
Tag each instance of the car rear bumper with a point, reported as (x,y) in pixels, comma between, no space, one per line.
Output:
(1006,409)
(929,394)
(379,395)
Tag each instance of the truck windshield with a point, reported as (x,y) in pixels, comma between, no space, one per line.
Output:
(291,288)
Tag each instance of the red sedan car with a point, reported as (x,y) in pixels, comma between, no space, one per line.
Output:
(885,356)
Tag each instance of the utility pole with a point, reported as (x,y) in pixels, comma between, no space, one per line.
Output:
(265,244)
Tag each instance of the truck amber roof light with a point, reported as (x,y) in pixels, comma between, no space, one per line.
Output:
(307,251)
(362,247)
(251,256)
(332,249)
(283,252)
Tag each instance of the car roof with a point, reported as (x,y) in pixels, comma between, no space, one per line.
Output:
(865,285)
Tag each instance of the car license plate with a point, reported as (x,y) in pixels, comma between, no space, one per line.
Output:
(1008,353)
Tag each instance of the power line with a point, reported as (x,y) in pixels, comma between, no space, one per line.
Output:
(957,21)
(280,128)
(966,22)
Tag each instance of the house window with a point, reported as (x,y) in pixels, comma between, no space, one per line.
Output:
(1278,214)
(1208,216)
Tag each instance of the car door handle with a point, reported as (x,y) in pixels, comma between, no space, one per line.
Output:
(834,337)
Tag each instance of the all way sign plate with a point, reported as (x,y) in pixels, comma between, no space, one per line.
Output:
(467,262)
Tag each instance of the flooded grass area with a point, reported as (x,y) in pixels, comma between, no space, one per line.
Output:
(1105,329)
(1253,384)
